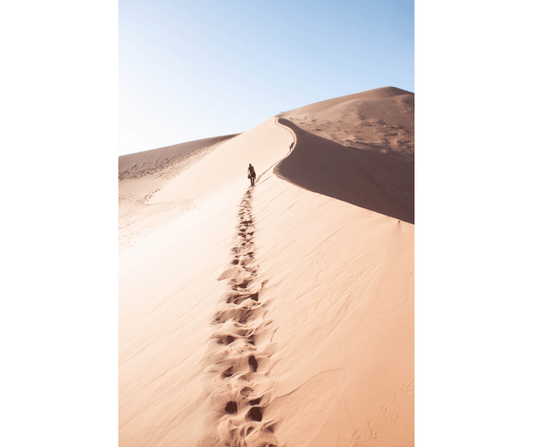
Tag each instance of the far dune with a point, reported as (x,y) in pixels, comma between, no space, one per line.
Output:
(365,142)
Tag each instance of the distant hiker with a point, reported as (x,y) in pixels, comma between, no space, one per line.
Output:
(251,174)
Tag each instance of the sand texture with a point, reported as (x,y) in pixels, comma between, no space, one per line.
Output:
(280,314)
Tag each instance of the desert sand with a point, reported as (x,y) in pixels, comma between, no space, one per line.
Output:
(278,315)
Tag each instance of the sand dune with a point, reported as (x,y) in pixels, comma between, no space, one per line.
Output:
(143,174)
(357,148)
(282,314)
(147,162)
(370,179)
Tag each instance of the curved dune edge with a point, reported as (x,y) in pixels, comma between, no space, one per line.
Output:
(367,159)
(377,182)
(332,327)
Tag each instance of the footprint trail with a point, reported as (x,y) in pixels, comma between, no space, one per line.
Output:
(241,347)
(240,350)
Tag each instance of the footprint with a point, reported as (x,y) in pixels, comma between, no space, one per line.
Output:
(253,364)
(255,414)
(231,408)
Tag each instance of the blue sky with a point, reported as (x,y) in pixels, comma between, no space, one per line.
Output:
(191,70)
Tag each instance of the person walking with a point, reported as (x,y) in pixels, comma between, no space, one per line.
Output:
(251,174)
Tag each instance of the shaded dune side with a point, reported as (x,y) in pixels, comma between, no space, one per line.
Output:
(383,183)
(146,162)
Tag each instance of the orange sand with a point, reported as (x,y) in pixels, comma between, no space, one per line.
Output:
(276,315)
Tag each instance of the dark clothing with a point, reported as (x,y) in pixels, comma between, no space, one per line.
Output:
(251,174)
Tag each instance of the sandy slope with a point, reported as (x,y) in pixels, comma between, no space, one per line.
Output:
(280,314)
(357,148)
(143,174)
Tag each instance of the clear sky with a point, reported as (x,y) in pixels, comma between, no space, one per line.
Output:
(196,69)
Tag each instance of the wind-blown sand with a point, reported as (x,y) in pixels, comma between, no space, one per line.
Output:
(281,314)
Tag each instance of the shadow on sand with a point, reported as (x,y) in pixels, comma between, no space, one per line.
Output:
(380,182)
